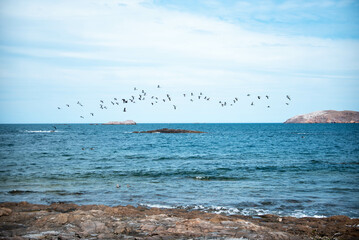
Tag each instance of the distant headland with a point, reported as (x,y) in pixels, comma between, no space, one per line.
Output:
(326,116)
(127,122)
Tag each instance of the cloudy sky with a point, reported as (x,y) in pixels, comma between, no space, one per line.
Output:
(54,53)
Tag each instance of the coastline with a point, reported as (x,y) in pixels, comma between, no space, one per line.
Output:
(23,220)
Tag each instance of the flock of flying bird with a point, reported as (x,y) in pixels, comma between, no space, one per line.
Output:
(142,96)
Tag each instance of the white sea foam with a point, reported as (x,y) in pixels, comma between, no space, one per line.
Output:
(158,206)
(301,214)
(251,211)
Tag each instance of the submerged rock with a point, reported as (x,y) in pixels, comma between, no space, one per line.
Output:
(127,122)
(327,116)
(168,130)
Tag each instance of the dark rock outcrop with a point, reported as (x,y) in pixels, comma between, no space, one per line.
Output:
(327,116)
(168,130)
(127,122)
(70,221)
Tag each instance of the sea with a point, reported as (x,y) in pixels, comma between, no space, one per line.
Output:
(295,170)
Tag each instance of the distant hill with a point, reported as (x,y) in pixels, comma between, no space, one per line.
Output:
(327,116)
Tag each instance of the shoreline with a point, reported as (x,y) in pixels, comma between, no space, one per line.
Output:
(23,220)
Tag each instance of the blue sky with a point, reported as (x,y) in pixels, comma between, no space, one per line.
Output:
(54,53)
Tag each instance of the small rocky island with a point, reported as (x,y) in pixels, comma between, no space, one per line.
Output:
(127,122)
(327,116)
(168,130)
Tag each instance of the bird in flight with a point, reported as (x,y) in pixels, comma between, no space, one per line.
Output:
(158,86)
(288,97)
(124,110)
(92,114)
(67,105)
(267,96)
(81,117)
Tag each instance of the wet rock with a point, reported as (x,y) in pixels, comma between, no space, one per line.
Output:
(167,130)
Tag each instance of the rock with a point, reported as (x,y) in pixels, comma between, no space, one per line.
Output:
(70,221)
(127,122)
(62,218)
(327,116)
(5,212)
(148,227)
(90,227)
(167,130)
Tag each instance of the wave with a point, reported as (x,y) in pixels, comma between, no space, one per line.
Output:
(56,192)
(20,192)
(157,206)
(217,178)
(252,211)
(41,131)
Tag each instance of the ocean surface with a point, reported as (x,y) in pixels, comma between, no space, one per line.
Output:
(285,169)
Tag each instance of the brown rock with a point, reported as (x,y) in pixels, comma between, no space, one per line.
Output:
(89,227)
(33,221)
(218,219)
(5,212)
(62,218)
(148,227)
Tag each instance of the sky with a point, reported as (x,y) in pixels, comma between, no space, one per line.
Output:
(54,53)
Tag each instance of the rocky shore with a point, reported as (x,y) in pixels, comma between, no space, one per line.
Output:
(70,221)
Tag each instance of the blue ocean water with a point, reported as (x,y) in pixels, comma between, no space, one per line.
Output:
(253,169)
